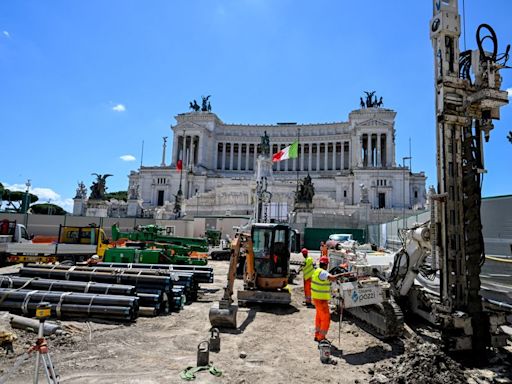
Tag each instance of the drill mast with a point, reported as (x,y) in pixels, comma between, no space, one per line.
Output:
(468,98)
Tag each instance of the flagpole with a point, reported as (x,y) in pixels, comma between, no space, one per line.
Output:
(179,194)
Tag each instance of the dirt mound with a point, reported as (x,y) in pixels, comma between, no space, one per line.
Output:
(422,363)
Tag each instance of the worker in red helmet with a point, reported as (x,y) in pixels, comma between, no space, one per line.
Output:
(307,272)
(321,294)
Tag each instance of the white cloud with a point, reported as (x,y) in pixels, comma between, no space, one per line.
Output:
(6,34)
(509,90)
(119,108)
(45,195)
(127,158)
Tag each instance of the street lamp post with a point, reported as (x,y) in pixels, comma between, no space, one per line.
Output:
(197,201)
(403,188)
(27,199)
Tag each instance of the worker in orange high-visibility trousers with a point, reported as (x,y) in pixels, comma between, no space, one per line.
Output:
(307,272)
(321,294)
(323,249)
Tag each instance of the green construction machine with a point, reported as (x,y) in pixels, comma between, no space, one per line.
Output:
(152,245)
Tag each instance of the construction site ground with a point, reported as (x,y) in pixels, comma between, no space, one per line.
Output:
(272,345)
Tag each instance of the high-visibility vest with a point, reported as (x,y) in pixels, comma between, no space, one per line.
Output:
(320,289)
(308,268)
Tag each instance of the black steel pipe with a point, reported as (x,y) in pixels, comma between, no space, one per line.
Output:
(171,267)
(68,297)
(66,285)
(73,310)
(199,275)
(159,282)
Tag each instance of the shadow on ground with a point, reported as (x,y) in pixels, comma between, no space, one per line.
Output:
(371,354)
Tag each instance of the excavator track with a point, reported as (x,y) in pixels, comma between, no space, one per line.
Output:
(386,319)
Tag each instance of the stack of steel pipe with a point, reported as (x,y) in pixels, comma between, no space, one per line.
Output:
(202,274)
(155,301)
(179,278)
(159,285)
(70,304)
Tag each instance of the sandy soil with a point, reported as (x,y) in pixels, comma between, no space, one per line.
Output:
(278,344)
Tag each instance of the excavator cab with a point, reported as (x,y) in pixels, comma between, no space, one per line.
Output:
(271,250)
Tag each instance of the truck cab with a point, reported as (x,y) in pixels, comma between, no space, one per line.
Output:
(11,232)
(90,235)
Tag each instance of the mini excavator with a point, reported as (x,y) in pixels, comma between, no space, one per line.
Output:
(267,266)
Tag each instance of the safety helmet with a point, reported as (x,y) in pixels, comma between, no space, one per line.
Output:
(324,260)
(304,251)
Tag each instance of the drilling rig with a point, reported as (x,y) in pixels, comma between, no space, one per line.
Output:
(468,99)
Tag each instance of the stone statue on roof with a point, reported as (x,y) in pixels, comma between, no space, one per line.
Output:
(265,144)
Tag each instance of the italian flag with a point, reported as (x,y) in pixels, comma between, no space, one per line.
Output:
(290,152)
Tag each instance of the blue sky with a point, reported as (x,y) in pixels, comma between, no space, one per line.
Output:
(83,83)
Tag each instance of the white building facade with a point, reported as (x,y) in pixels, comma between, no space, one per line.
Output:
(344,159)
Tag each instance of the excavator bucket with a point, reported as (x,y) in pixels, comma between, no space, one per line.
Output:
(223,316)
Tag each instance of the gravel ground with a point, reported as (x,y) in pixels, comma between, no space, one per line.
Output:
(272,345)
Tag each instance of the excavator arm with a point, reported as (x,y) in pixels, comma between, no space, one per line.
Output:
(223,313)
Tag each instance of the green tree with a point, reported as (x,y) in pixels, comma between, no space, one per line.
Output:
(47,209)
(119,195)
(14,199)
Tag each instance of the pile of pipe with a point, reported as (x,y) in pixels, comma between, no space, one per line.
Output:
(157,294)
(70,305)
(150,304)
(187,276)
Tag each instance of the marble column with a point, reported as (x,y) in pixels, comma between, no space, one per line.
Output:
(390,155)
(349,165)
(231,155)
(216,156)
(255,163)
(317,168)
(326,158)
(201,150)
(359,156)
(239,160)
(334,168)
(310,155)
(301,163)
(368,150)
(175,149)
(247,152)
(342,162)
(186,151)
(387,154)
(379,157)
(223,156)
(192,150)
